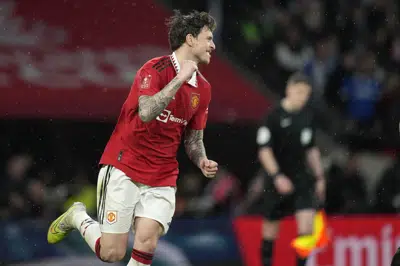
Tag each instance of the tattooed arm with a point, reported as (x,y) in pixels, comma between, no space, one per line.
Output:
(151,106)
(194,145)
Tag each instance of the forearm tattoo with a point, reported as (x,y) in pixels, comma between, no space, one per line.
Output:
(194,145)
(151,106)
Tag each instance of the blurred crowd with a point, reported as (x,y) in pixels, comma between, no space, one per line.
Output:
(349,49)
(34,192)
(31,192)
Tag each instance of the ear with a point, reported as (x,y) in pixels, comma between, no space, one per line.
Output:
(190,40)
(287,89)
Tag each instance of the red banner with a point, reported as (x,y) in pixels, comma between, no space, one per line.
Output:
(77,59)
(357,241)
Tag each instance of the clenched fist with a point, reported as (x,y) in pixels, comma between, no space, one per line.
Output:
(209,168)
(188,67)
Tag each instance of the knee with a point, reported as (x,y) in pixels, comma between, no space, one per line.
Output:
(305,221)
(146,242)
(306,228)
(305,232)
(270,230)
(112,254)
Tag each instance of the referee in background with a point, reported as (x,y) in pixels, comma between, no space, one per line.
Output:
(288,154)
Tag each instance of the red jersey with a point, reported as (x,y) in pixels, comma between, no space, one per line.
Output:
(146,152)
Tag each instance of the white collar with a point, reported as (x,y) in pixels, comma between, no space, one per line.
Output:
(193,80)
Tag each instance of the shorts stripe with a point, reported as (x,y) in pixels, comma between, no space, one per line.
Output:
(103,192)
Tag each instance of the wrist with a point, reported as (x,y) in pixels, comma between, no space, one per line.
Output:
(276,175)
(198,163)
(180,77)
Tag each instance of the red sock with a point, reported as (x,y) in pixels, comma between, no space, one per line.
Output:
(142,257)
(98,246)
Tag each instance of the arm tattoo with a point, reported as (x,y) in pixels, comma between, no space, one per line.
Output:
(151,106)
(194,145)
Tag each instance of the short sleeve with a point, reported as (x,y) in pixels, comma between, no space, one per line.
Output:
(199,120)
(264,133)
(310,133)
(148,82)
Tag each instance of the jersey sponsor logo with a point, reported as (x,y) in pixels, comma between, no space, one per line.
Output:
(195,101)
(146,81)
(163,117)
(263,135)
(286,122)
(166,116)
(306,136)
(112,217)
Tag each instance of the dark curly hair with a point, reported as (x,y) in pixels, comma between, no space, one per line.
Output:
(179,26)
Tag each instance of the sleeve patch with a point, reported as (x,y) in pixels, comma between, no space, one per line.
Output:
(145,82)
(263,135)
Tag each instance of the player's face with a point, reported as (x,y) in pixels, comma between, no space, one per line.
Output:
(298,94)
(203,46)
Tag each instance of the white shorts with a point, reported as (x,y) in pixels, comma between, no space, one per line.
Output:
(120,200)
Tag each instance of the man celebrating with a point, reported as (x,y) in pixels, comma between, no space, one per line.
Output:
(169,99)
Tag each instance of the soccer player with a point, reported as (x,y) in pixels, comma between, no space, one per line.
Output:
(286,143)
(169,99)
